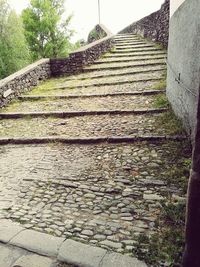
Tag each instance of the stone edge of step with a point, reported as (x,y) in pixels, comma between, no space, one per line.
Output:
(63,114)
(90,140)
(65,250)
(109,75)
(139,93)
(108,83)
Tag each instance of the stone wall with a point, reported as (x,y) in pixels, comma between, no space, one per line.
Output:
(97,33)
(23,80)
(183,77)
(83,56)
(154,26)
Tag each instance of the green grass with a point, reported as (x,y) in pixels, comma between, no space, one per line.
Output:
(159,86)
(46,86)
(170,122)
(161,101)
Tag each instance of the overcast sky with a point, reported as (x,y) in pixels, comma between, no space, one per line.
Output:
(115,14)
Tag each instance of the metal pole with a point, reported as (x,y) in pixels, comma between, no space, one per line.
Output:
(99,11)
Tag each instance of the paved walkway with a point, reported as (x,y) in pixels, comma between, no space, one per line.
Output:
(86,158)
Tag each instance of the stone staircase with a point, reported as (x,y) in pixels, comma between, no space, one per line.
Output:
(90,152)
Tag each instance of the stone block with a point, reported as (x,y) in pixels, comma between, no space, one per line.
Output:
(37,242)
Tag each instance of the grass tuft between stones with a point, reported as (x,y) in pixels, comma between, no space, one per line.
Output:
(164,248)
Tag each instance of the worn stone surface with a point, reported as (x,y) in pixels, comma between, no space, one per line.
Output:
(84,104)
(84,126)
(37,242)
(8,230)
(93,200)
(9,255)
(80,254)
(33,261)
(104,89)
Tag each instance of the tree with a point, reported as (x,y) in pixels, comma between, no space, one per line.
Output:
(46,31)
(14,53)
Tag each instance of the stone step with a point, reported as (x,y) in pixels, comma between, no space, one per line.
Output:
(49,88)
(133,65)
(149,49)
(112,73)
(89,140)
(112,102)
(127,59)
(121,43)
(156,76)
(128,38)
(133,46)
(134,54)
(108,125)
(76,113)
(108,94)
(124,36)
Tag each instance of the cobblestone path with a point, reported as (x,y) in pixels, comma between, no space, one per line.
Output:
(102,193)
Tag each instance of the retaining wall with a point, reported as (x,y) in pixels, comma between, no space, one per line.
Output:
(83,56)
(23,80)
(154,26)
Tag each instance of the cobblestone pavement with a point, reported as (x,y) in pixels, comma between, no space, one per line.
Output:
(116,65)
(85,104)
(48,89)
(124,71)
(85,126)
(102,194)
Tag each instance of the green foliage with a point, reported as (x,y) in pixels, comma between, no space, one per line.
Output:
(14,53)
(46,31)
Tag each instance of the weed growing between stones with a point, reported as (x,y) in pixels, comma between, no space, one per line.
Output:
(170,122)
(161,101)
(164,248)
(46,86)
(159,86)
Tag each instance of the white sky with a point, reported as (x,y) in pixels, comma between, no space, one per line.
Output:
(115,14)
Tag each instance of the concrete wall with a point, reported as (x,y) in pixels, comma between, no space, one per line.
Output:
(183,77)
(174,5)
(155,26)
